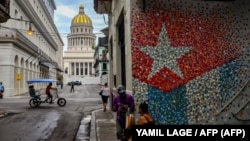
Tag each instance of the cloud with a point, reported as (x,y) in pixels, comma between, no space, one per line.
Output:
(65,12)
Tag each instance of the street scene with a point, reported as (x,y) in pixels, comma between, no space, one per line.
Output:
(49,121)
(91,70)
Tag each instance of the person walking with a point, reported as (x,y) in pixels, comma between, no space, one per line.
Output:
(72,89)
(123,103)
(61,84)
(1,90)
(105,93)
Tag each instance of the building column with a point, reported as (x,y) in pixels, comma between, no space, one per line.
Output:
(71,42)
(77,41)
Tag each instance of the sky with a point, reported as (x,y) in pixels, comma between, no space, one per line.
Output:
(67,9)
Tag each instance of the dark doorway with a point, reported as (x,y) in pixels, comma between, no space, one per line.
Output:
(121,39)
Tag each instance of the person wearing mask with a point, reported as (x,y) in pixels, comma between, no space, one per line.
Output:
(145,118)
(123,103)
(1,90)
(105,92)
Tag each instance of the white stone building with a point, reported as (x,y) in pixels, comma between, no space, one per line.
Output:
(23,56)
(78,58)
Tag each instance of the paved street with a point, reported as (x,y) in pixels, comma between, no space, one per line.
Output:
(49,121)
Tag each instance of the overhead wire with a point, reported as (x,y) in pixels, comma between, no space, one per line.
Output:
(40,33)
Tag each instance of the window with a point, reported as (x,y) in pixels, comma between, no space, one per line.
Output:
(72,69)
(104,66)
(77,68)
(86,68)
(66,70)
(81,68)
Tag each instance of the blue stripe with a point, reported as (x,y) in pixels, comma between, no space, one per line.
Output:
(231,81)
(168,108)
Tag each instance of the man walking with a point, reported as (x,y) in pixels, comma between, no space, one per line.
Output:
(121,104)
(72,89)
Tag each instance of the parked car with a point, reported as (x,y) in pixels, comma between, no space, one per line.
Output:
(75,83)
(69,83)
(78,82)
(58,82)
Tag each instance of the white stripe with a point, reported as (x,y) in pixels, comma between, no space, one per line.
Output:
(203,95)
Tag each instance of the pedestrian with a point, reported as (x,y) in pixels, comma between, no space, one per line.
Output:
(105,95)
(1,89)
(123,103)
(72,89)
(145,117)
(61,85)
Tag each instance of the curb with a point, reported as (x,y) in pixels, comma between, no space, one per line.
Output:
(93,134)
(82,135)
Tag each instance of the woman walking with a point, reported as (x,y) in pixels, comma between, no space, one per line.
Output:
(105,95)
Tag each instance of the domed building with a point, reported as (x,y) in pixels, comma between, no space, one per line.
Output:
(78,58)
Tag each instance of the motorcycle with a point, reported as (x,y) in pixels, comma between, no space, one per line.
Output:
(36,99)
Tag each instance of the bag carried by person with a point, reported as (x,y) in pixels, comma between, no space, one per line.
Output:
(100,93)
(129,121)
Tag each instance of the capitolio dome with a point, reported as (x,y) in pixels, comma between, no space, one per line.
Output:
(81,18)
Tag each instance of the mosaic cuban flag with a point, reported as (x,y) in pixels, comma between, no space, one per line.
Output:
(189,57)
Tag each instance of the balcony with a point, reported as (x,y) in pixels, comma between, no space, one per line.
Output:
(4,10)
(102,6)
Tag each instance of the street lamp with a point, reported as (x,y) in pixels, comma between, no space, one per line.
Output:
(30,31)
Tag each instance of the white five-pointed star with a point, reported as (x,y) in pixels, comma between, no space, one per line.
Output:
(164,55)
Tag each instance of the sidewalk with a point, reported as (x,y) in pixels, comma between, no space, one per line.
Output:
(103,126)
